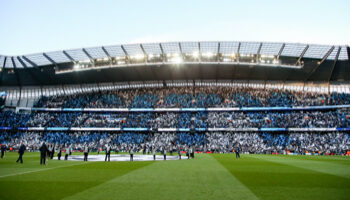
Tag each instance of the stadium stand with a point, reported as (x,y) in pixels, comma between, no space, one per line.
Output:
(293,99)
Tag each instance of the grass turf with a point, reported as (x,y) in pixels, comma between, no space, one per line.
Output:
(208,176)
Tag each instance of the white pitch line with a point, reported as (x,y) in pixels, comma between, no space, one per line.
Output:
(27,172)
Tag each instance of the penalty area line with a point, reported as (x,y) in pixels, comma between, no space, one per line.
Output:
(39,170)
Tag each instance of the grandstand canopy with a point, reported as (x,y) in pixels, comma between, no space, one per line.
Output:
(179,60)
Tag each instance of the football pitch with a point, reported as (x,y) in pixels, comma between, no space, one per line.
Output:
(208,176)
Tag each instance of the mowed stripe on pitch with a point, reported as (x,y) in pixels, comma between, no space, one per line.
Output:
(64,181)
(272,180)
(200,178)
(328,167)
(39,170)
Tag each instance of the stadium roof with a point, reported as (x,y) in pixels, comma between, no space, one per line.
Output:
(208,60)
(266,48)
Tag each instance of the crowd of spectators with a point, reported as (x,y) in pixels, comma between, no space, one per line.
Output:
(154,120)
(249,142)
(188,97)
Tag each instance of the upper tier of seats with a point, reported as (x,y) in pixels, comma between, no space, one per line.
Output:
(188,97)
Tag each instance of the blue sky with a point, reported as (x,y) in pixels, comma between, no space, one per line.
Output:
(32,26)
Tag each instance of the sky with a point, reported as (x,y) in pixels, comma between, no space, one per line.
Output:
(34,26)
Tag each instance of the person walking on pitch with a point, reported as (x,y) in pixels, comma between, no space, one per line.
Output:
(86,153)
(154,152)
(108,153)
(21,151)
(237,152)
(68,152)
(3,150)
(43,151)
(132,154)
(59,152)
(179,152)
(164,153)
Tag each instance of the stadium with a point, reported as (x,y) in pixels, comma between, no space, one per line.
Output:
(177,120)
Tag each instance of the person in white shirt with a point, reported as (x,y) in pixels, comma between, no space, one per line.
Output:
(68,152)
(86,153)
(108,153)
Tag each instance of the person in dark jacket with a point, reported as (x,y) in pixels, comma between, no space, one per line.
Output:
(43,151)
(59,152)
(52,151)
(21,151)
(237,152)
(131,154)
(3,150)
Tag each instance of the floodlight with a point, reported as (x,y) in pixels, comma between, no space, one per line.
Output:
(195,54)
(76,66)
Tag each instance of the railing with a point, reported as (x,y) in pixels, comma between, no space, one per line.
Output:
(228,109)
(126,129)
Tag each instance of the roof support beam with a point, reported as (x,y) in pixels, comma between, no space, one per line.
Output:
(281,50)
(302,54)
(87,54)
(68,56)
(33,75)
(50,59)
(3,64)
(126,54)
(21,61)
(163,54)
(217,54)
(31,62)
(144,53)
(334,63)
(239,48)
(2,69)
(182,55)
(319,63)
(106,52)
(326,55)
(199,52)
(258,53)
(16,73)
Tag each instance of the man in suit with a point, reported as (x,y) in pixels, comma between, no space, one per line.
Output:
(154,152)
(48,152)
(43,151)
(59,152)
(179,152)
(131,154)
(237,152)
(21,151)
(108,153)
(3,150)
(52,151)
(86,153)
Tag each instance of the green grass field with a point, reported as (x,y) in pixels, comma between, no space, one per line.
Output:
(216,176)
